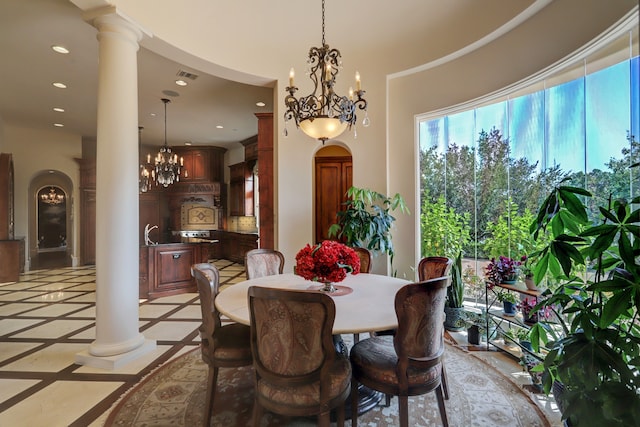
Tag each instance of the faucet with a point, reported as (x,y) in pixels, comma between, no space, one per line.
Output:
(147,230)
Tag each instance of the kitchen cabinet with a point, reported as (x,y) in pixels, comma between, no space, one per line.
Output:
(233,246)
(166,269)
(195,166)
(250,149)
(241,190)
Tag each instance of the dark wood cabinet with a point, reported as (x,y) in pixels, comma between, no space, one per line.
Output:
(201,164)
(250,149)
(87,211)
(167,268)
(11,249)
(241,190)
(233,246)
(266,220)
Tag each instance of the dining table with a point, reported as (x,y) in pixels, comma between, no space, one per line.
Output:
(364,302)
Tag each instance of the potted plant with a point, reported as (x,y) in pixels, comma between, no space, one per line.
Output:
(366,221)
(502,270)
(508,301)
(476,325)
(527,273)
(535,369)
(453,305)
(594,340)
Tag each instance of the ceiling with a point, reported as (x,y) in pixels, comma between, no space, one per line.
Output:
(28,30)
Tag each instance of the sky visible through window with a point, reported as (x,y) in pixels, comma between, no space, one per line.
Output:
(579,125)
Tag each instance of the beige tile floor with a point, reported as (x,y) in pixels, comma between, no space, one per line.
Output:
(49,316)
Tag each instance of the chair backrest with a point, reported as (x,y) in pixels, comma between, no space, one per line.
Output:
(291,335)
(365,259)
(208,283)
(420,311)
(263,262)
(432,267)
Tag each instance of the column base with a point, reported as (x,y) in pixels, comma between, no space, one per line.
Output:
(114,362)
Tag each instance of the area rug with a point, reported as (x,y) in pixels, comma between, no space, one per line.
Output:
(174,396)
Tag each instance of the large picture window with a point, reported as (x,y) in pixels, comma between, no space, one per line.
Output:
(484,171)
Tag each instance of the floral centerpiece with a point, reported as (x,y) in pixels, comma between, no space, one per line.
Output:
(502,270)
(327,262)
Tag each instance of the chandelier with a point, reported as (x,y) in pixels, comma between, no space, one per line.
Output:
(52,198)
(323,114)
(143,179)
(167,168)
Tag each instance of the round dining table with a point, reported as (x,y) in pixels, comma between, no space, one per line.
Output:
(364,302)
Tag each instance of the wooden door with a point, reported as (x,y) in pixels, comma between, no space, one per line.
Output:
(334,176)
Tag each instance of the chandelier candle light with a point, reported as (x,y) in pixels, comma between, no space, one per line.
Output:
(143,178)
(167,168)
(323,114)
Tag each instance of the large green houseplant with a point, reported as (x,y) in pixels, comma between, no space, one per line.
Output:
(594,341)
(366,220)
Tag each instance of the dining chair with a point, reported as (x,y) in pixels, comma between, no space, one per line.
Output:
(366,259)
(434,266)
(408,363)
(297,369)
(263,262)
(225,346)
(429,268)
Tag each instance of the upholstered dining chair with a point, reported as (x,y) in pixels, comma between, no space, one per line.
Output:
(429,268)
(263,262)
(410,362)
(297,369)
(225,346)
(366,259)
(434,266)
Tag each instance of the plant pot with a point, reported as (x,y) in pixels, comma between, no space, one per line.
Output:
(453,319)
(530,319)
(508,308)
(526,344)
(473,334)
(509,281)
(531,285)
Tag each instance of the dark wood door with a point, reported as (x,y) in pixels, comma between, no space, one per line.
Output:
(334,176)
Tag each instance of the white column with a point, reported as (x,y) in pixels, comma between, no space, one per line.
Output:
(118,339)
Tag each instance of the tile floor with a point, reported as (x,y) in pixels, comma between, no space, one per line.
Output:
(49,316)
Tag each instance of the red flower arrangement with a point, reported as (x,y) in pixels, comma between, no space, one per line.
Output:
(328,261)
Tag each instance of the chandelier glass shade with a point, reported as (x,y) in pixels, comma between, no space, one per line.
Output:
(52,197)
(323,114)
(167,165)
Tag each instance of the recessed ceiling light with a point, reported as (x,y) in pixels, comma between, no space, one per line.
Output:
(58,109)
(152,114)
(260,104)
(187,143)
(219,127)
(60,49)
(181,83)
(58,125)
(60,85)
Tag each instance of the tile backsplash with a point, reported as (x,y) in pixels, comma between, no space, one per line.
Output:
(243,224)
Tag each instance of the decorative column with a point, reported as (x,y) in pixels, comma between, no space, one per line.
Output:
(118,339)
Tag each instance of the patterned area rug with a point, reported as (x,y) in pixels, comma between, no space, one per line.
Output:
(174,394)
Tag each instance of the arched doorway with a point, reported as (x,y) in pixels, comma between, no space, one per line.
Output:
(333,177)
(50,226)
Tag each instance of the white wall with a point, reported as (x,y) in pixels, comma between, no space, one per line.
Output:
(35,151)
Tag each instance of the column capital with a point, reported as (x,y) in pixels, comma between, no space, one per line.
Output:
(111,19)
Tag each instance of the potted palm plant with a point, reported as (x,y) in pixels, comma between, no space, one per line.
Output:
(594,341)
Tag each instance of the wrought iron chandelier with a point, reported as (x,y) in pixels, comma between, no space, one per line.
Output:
(143,179)
(323,114)
(167,168)
(52,198)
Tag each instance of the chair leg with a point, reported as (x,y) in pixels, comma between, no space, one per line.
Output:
(387,400)
(212,378)
(441,407)
(340,414)
(403,410)
(356,338)
(323,419)
(257,413)
(443,380)
(354,402)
